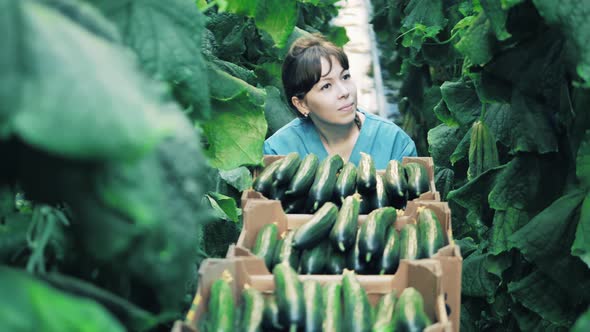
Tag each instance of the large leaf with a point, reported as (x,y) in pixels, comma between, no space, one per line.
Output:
(478,43)
(462,101)
(72,92)
(242,7)
(32,305)
(474,194)
(276,111)
(278,18)
(547,239)
(583,160)
(442,141)
(506,223)
(225,207)
(166,36)
(477,281)
(497,17)
(517,185)
(530,321)
(541,295)
(572,17)
(583,323)
(423,19)
(581,246)
(237,129)
(525,126)
(240,178)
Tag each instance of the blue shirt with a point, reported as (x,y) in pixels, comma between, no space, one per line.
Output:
(380,138)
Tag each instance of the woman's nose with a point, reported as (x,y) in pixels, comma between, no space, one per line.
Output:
(343,90)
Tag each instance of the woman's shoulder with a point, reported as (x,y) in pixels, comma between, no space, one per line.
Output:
(375,121)
(294,127)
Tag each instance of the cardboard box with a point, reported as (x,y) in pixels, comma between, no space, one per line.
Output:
(261,212)
(431,195)
(424,275)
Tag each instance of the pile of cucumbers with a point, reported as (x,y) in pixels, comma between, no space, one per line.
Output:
(307,305)
(303,186)
(332,240)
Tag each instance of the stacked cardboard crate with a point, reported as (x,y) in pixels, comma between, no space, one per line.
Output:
(437,278)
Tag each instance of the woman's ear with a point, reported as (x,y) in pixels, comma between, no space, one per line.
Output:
(300,105)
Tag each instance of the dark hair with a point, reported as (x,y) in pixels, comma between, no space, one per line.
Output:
(302,67)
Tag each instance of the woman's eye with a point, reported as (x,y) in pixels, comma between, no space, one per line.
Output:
(325,86)
(346,76)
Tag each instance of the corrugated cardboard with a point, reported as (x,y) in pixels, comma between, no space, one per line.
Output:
(424,275)
(261,212)
(431,195)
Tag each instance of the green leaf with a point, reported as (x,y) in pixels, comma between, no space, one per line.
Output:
(539,294)
(276,111)
(75,86)
(166,36)
(462,101)
(525,126)
(474,194)
(224,206)
(237,129)
(530,321)
(467,245)
(478,42)
(516,185)
(444,180)
(506,222)
(278,18)
(581,246)
(572,18)
(507,4)
(243,7)
(35,306)
(462,149)
(547,240)
(443,114)
(442,141)
(476,280)
(497,16)
(582,323)
(583,160)
(239,178)
(425,15)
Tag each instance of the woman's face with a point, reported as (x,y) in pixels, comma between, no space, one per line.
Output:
(333,98)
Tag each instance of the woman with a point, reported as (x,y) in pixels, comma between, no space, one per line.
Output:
(319,88)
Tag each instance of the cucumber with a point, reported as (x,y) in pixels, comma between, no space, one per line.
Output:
(384,313)
(317,228)
(264,180)
(315,260)
(409,312)
(430,234)
(288,167)
(379,199)
(336,263)
(357,309)
(289,295)
(270,321)
(221,304)
(343,233)
(353,258)
(418,180)
(396,184)
(365,205)
(322,188)
(304,177)
(277,193)
(345,183)
(252,310)
(483,152)
(294,206)
(312,293)
(391,252)
(365,181)
(285,252)
(265,244)
(408,239)
(373,231)
(332,296)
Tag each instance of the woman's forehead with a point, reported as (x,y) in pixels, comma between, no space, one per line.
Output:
(331,67)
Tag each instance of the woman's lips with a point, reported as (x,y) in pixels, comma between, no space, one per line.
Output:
(346,108)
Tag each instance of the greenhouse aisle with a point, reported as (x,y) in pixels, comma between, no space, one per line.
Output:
(354,16)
